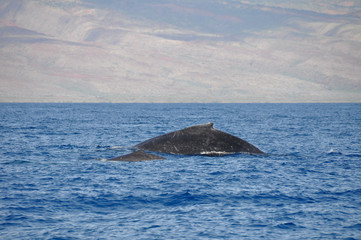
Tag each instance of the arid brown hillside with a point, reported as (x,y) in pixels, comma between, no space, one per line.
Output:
(179,51)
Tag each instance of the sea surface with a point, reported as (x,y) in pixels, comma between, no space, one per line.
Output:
(56,184)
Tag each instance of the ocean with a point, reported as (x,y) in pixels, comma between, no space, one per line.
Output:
(55,182)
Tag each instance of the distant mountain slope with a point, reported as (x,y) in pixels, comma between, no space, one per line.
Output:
(179,51)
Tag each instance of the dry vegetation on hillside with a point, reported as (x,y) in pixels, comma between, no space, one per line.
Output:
(54,51)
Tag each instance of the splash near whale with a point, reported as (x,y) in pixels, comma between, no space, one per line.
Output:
(195,140)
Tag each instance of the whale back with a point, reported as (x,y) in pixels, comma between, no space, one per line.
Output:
(136,157)
(199,139)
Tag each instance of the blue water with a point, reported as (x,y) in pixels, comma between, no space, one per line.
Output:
(55,184)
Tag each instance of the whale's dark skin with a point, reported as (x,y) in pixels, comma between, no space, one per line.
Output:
(199,139)
(137,156)
(196,140)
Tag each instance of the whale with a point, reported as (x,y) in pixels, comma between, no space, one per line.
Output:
(137,157)
(201,139)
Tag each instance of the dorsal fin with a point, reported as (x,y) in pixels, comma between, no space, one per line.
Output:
(200,127)
(206,125)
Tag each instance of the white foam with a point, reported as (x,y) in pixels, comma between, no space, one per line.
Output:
(116,147)
(334,152)
(331,150)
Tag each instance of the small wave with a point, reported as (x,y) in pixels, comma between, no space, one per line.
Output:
(67,147)
(288,225)
(353,155)
(333,152)
(184,198)
(216,173)
(16,162)
(100,148)
(350,192)
(355,226)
